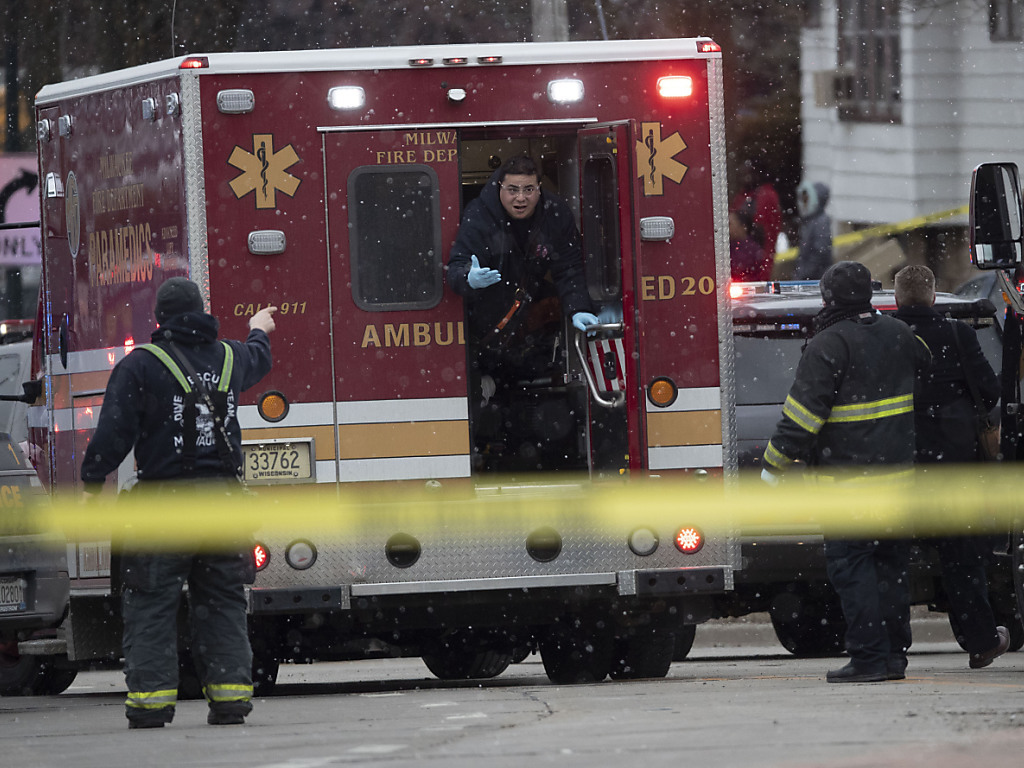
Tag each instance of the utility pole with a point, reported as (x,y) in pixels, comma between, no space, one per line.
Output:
(550,20)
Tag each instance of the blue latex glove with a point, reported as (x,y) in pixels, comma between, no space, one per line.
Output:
(769,477)
(582,319)
(481,277)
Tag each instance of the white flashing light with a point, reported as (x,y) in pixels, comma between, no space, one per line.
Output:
(456,94)
(236,101)
(657,228)
(566,91)
(266,242)
(675,87)
(346,97)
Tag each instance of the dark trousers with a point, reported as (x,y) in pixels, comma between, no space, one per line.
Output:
(966,584)
(220,641)
(871,579)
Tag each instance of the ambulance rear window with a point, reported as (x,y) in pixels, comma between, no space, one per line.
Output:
(395,237)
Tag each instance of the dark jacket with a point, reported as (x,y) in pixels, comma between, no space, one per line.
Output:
(852,402)
(142,407)
(552,243)
(945,415)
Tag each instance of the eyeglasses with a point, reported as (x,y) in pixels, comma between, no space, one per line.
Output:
(529,191)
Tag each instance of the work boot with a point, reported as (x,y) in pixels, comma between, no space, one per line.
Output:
(854,674)
(149,718)
(228,713)
(979,660)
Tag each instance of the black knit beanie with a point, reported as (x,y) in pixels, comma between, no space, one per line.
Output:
(846,283)
(176,297)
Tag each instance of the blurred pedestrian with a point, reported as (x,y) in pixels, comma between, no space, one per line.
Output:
(745,253)
(759,196)
(945,421)
(814,253)
(174,402)
(851,405)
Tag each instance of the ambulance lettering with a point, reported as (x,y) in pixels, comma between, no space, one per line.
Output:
(664,287)
(431,147)
(413,335)
(10,497)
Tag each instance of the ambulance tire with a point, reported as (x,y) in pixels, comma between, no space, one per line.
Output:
(815,628)
(457,664)
(264,674)
(571,657)
(33,675)
(684,641)
(643,655)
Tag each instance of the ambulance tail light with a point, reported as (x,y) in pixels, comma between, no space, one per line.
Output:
(568,91)
(708,46)
(260,556)
(194,62)
(662,392)
(346,97)
(236,101)
(689,540)
(675,87)
(272,406)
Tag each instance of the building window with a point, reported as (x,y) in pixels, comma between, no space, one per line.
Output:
(870,80)
(395,237)
(1004,20)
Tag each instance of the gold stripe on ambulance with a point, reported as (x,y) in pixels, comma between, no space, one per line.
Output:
(688,433)
(406,439)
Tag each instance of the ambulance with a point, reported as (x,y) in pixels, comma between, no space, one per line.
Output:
(330,184)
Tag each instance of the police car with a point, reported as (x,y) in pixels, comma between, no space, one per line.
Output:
(33,565)
(784,574)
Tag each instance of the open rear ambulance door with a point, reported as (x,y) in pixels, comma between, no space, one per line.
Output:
(607,197)
(398,342)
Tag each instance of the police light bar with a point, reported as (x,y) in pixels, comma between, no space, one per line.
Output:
(346,97)
(675,87)
(566,91)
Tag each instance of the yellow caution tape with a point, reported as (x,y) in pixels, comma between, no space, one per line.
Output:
(882,230)
(971,499)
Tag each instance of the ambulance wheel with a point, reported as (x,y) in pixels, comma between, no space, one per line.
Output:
(808,625)
(644,654)
(33,675)
(458,664)
(684,641)
(264,674)
(571,657)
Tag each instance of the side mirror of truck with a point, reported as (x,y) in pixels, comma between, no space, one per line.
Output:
(997,239)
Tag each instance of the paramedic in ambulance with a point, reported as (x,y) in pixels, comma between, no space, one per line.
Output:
(174,402)
(513,237)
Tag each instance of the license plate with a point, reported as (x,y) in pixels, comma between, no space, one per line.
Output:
(284,462)
(12,595)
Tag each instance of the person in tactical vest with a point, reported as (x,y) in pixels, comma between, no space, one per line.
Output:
(175,403)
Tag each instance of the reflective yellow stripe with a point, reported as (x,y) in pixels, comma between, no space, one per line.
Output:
(172,366)
(225,371)
(877,409)
(776,458)
(227,692)
(152,699)
(802,416)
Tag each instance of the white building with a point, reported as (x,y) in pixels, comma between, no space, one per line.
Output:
(901,100)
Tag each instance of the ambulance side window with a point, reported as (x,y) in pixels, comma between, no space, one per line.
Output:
(395,237)
(600,218)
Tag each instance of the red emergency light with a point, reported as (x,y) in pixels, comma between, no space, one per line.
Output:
(195,62)
(689,540)
(675,87)
(708,46)
(260,556)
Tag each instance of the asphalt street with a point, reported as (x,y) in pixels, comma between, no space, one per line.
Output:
(739,700)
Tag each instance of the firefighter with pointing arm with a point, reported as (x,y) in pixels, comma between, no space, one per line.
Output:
(175,402)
